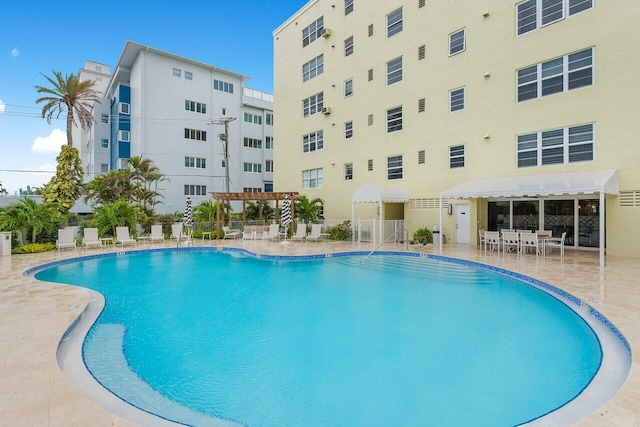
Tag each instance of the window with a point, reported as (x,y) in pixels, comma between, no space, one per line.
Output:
(223,86)
(194,106)
(370,164)
(188,75)
(253,118)
(104,168)
(177,72)
(195,162)
(421,3)
(394,119)
(104,118)
(348,171)
(348,88)
(124,108)
(456,42)
(370,75)
(370,30)
(348,46)
(313,141)
(534,14)
(348,6)
(421,105)
(313,68)
(422,52)
(557,75)
(456,99)
(348,130)
(394,167)
(370,120)
(312,32)
(252,143)
(394,22)
(421,157)
(269,119)
(104,143)
(557,146)
(223,111)
(198,135)
(456,156)
(394,71)
(312,178)
(268,166)
(124,136)
(195,190)
(253,167)
(312,105)
(251,190)
(268,142)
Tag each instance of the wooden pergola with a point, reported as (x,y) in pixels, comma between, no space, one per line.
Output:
(258,197)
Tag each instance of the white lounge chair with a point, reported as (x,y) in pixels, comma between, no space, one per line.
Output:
(156,233)
(249,232)
(231,233)
(316,233)
(123,237)
(66,239)
(91,239)
(274,232)
(301,232)
(178,233)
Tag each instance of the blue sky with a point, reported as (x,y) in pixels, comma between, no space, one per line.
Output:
(38,37)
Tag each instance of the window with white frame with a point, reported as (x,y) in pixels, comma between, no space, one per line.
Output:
(177,72)
(124,136)
(557,75)
(195,162)
(104,118)
(312,178)
(394,71)
(188,75)
(557,146)
(104,168)
(312,32)
(456,99)
(124,108)
(348,46)
(313,141)
(456,156)
(394,22)
(457,42)
(313,104)
(195,134)
(196,107)
(534,14)
(348,129)
(253,118)
(313,68)
(348,6)
(268,142)
(394,167)
(195,190)
(104,143)
(394,119)
(268,165)
(253,167)
(348,171)
(223,86)
(252,142)
(348,87)
(251,190)
(268,118)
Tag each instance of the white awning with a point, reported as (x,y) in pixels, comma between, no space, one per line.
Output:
(586,182)
(379,194)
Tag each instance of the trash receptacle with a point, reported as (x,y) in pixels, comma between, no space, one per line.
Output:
(5,243)
(436,235)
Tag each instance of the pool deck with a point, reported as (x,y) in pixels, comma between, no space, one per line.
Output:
(34,316)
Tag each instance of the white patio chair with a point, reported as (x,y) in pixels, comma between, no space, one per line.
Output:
(481,237)
(231,233)
(274,232)
(249,232)
(91,239)
(510,242)
(316,233)
(178,233)
(66,239)
(492,239)
(301,232)
(123,237)
(156,233)
(530,240)
(555,242)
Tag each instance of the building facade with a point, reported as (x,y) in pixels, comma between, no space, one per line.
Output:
(489,115)
(189,118)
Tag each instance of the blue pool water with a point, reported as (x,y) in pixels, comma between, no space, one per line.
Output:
(391,341)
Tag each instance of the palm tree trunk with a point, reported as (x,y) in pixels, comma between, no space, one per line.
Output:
(69,127)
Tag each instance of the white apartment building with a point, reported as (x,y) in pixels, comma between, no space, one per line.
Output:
(198,123)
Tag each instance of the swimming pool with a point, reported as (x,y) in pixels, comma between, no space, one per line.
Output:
(391,341)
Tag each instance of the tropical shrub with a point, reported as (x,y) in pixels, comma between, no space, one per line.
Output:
(423,235)
(340,231)
(32,248)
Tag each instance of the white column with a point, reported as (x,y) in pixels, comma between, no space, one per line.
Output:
(602,230)
(441,230)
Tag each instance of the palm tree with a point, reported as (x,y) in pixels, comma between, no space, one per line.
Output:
(119,214)
(205,213)
(252,210)
(28,214)
(70,94)
(146,176)
(307,210)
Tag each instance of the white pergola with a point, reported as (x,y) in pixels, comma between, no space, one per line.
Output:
(569,183)
(376,194)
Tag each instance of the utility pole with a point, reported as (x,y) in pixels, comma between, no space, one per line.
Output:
(224,137)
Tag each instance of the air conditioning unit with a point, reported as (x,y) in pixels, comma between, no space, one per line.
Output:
(326,110)
(326,32)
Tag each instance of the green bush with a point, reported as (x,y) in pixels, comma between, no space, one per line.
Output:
(340,231)
(32,248)
(423,235)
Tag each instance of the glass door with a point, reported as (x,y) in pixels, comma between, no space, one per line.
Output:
(589,223)
(559,217)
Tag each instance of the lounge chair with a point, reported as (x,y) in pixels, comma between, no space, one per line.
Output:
(156,234)
(316,233)
(178,234)
(91,239)
(230,233)
(123,237)
(66,239)
(301,232)
(249,233)
(274,232)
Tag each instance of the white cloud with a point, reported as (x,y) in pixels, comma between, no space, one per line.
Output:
(50,144)
(15,52)
(2,106)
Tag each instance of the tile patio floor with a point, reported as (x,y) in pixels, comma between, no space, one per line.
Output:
(34,315)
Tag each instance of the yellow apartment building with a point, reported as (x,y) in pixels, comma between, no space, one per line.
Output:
(473,114)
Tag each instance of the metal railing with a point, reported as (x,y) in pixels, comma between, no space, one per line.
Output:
(406,241)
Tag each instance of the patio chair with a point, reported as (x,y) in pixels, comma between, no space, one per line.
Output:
(481,237)
(123,237)
(178,233)
(316,233)
(510,242)
(66,239)
(249,232)
(156,233)
(301,232)
(530,240)
(492,239)
(91,239)
(555,242)
(230,233)
(274,232)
